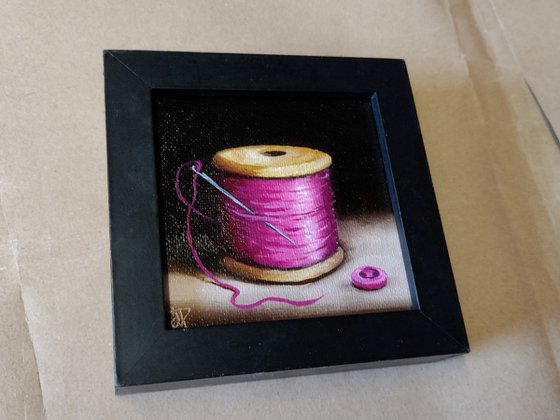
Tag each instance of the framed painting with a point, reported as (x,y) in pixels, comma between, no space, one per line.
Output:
(270,215)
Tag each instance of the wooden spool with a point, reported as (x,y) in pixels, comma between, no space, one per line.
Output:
(272,161)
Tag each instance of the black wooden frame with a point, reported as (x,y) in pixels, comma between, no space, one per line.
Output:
(146,352)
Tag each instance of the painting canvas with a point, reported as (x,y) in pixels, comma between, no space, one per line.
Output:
(270,202)
(275,207)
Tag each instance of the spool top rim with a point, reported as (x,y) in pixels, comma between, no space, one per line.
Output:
(272,161)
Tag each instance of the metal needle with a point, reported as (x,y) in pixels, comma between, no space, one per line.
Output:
(239,203)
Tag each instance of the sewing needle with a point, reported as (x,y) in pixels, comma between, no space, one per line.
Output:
(239,203)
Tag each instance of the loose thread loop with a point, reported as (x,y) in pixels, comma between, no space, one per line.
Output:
(190,210)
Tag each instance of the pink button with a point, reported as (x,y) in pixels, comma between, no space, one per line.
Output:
(368,277)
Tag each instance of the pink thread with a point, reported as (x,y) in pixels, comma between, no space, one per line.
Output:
(190,209)
(301,207)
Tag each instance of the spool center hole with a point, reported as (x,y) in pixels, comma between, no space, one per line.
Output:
(273,153)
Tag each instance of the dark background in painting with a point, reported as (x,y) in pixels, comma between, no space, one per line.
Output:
(195,126)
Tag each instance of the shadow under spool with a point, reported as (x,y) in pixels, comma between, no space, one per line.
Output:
(276,161)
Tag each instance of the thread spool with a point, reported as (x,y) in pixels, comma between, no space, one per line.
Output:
(289,188)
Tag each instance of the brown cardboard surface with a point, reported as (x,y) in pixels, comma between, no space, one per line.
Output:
(532,34)
(494,165)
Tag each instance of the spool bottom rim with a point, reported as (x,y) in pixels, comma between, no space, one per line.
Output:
(288,276)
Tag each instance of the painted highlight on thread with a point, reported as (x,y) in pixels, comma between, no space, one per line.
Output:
(301,207)
(191,209)
(239,203)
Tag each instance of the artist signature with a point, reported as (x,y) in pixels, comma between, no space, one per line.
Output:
(179,317)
